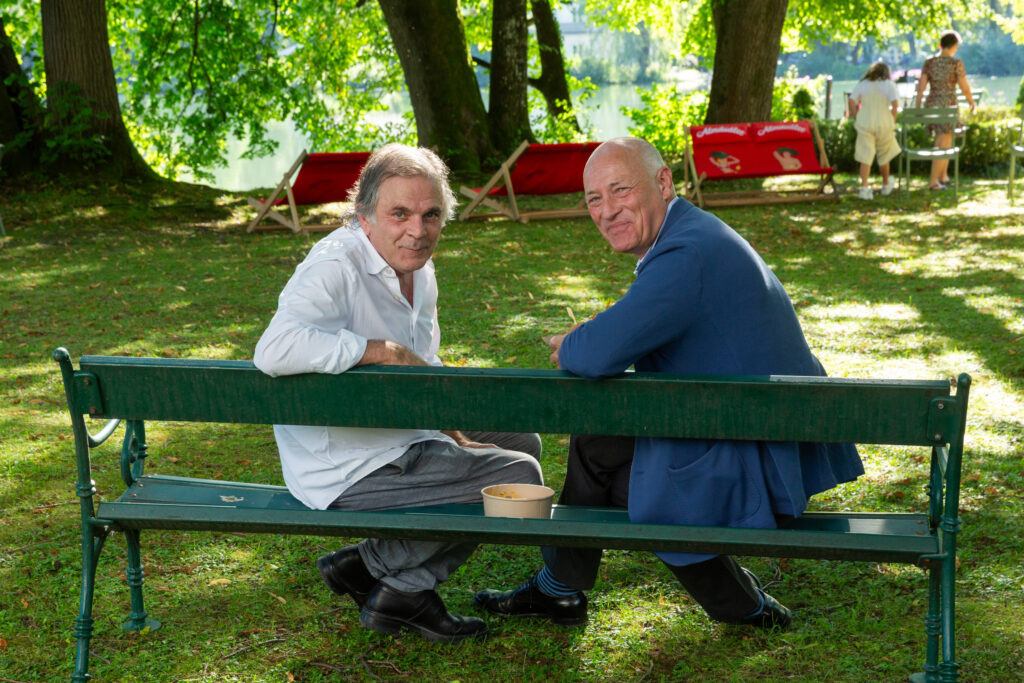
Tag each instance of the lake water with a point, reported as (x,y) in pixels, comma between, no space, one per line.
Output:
(993,90)
(602,111)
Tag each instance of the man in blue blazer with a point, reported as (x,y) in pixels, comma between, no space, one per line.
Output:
(703,302)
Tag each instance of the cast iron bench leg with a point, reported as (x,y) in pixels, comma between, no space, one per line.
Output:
(137,620)
(91,549)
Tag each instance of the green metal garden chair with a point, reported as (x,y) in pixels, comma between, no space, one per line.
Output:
(1016,150)
(912,118)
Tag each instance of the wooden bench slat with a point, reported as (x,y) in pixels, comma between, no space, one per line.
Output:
(178,503)
(774,407)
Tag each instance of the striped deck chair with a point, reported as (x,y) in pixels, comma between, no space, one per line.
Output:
(322,178)
(536,169)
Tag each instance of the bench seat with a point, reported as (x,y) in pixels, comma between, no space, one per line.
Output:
(161,502)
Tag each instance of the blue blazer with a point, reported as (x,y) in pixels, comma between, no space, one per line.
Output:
(704,302)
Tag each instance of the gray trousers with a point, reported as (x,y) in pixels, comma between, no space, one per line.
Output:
(432,473)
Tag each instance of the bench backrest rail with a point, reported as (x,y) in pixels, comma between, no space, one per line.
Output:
(784,408)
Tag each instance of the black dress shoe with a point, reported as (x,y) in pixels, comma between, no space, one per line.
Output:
(528,601)
(389,610)
(773,614)
(345,574)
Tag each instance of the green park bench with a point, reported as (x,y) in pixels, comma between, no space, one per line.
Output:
(894,412)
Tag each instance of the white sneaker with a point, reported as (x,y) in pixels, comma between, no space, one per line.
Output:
(888,187)
(866,193)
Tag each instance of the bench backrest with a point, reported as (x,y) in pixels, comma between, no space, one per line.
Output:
(920,116)
(549,169)
(754,150)
(912,412)
(326,177)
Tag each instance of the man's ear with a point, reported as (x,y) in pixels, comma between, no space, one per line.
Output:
(364,223)
(665,184)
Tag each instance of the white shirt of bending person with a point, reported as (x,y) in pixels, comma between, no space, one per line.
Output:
(340,296)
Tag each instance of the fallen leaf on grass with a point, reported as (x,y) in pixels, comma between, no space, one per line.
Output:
(219,582)
(279,598)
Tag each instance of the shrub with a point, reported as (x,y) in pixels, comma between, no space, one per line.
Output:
(986,152)
(796,99)
(664,116)
(839,137)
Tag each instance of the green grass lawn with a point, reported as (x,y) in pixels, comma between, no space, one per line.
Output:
(917,289)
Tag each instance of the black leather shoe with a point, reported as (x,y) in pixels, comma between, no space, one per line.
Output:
(528,601)
(389,610)
(345,574)
(773,614)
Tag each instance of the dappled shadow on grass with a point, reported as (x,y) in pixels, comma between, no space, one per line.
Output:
(932,268)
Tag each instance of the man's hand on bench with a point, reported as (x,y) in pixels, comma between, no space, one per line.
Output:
(464,441)
(386,352)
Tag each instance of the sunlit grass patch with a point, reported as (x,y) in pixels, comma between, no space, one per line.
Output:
(917,288)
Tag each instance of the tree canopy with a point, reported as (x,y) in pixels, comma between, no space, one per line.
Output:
(192,75)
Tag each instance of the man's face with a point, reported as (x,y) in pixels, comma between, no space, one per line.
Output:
(625,201)
(407,222)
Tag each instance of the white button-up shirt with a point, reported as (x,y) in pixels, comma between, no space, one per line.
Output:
(340,296)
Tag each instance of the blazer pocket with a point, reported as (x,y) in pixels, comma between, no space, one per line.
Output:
(717,489)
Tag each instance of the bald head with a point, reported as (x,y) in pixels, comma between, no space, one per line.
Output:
(628,188)
(646,153)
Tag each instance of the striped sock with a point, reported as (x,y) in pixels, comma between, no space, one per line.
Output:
(549,585)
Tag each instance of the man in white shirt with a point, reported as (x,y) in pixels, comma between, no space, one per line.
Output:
(366,294)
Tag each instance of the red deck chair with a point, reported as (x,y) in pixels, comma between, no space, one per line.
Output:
(323,178)
(533,170)
(728,151)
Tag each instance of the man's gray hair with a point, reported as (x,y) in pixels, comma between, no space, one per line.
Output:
(398,160)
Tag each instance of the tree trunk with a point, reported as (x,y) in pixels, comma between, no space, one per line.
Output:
(747,40)
(508,113)
(20,112)
(552,83)
(431,44)
(76,56)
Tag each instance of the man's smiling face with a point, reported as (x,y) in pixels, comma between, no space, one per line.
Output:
(626,200)
(406,223)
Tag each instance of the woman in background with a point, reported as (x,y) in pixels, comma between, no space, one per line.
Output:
(944,73)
